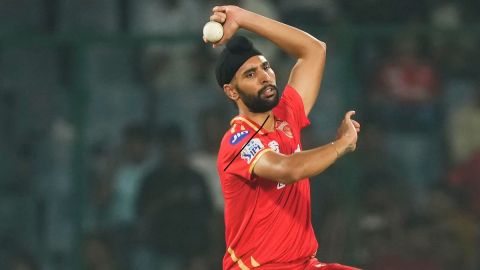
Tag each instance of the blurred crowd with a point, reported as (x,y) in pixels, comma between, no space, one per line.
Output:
(108,146)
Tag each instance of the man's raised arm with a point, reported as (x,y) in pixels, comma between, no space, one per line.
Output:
(310,53)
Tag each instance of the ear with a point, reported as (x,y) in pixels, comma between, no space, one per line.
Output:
(230,91)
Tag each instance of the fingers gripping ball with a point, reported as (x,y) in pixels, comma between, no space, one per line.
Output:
(213,31)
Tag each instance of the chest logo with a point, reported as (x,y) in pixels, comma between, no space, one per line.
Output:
(237,137)
(284,127)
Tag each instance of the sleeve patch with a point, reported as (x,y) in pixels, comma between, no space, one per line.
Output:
(251,149)
(274,145)
(237,137)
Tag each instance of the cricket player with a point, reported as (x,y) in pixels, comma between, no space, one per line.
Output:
(263,169)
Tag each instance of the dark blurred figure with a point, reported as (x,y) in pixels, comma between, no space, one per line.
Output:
(210,129)
(98,253)
(406,77)
(135,161)
(465,178)
(175,208)
(381,217)
(463,127)
(404,103)
(384,11)
(100,174)
(414,251)
(455,230)
(308,12)
(22,260)
(115,176)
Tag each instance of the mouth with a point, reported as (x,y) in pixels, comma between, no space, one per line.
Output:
(269,92)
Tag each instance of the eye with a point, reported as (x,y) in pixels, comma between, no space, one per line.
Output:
(266,66)
(250,74)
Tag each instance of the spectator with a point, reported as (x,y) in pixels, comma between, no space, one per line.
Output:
(22,260)
(136,160)
(406,77)
(98,253)
(463,129)
(210,123)
(210,131)
(405,105)
(165,16)
(381,11)
(455,229)
(174,207)
(308,12)
(465,177)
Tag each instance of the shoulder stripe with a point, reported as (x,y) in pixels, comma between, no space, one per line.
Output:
(248,122)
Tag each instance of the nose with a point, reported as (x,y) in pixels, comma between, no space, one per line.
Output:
(265,77)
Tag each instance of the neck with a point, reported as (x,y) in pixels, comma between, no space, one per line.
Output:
(259,118)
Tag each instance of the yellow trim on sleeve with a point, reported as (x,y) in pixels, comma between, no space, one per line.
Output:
(237,260)
(259,154)
(253,262)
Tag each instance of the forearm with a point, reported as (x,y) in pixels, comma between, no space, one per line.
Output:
(293,41)
(312,162)
(291,168)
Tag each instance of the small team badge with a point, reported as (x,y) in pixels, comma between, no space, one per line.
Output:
(284,127)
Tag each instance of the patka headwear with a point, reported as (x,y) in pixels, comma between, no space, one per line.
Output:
(238,50)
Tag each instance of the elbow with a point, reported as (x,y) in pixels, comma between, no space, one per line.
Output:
(318,52)
(322,46)
(322,49)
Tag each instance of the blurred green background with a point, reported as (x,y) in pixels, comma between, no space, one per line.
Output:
(110,119)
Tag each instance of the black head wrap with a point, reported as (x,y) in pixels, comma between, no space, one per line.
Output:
(238,50)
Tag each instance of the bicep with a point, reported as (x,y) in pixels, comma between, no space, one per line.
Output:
(272,166)
(306,76)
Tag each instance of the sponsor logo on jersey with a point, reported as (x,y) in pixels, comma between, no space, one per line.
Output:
(237,137)
(285,128)
(251,149)
(274,146)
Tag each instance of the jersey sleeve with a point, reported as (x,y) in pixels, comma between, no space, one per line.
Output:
(240,159)
(293,109)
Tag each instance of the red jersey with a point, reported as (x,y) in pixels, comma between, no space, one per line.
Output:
(267,224)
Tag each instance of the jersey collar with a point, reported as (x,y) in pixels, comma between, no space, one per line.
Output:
(239,119)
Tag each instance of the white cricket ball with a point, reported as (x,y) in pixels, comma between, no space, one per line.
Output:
(213,31)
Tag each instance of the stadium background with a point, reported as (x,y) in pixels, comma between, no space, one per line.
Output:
(110,119)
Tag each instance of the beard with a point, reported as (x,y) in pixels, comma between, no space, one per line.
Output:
(259,103)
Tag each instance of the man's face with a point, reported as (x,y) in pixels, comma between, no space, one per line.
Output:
(256,85)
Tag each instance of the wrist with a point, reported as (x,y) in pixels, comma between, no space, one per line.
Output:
(335,148)
(243,17)
(341,146)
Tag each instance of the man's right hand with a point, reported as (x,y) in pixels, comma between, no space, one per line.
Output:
(347,134)
(229,17)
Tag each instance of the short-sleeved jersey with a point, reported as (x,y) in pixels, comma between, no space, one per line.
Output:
(267,223)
